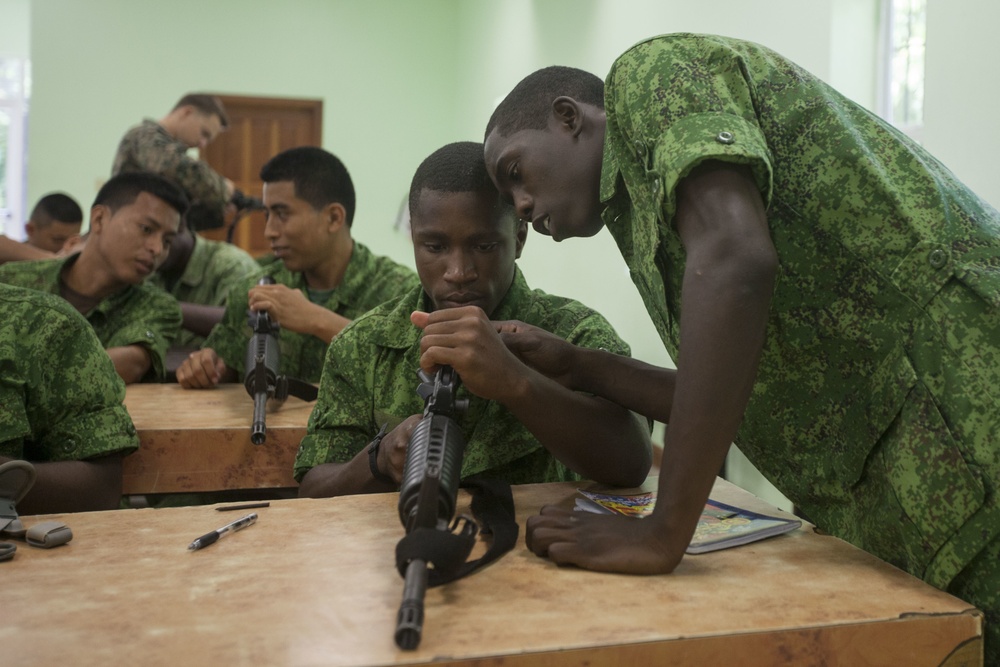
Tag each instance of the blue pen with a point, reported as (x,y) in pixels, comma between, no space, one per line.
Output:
(212,538)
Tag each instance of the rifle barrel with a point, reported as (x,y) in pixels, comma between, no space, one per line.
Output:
(410,620)
(258,431)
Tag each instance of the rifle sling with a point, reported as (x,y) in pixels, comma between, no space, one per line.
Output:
(493,506)
(302,390)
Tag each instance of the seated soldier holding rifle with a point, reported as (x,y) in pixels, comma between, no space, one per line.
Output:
(520,426)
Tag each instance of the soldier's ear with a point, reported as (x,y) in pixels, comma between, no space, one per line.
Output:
(568,114)
(335,215)
(99,214)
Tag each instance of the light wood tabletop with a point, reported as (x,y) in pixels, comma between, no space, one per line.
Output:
(194,440)
(314,583)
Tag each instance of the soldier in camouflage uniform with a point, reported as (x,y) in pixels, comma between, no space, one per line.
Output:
(162,148)
(132,221)
(200,273)
(830,291)
(520,426)
(60,405)
(323,278)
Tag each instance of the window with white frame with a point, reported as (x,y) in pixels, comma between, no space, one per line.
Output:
(15,91)
(904,38)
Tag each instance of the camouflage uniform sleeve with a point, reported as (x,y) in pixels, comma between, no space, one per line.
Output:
(148,148)
(341,423)
(74,402)
(230,336)
(231,266)
(585,327)
(154,321)
(672,128)
(23,274)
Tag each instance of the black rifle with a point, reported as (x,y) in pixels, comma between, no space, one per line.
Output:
(427,499)
(262,380)
(244,203)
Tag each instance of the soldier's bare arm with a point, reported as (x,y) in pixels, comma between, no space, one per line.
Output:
(355,476)
(86,486)
(132,362)
(726,293)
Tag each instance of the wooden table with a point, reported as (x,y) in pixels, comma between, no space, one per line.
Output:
(314,583)
(199,440)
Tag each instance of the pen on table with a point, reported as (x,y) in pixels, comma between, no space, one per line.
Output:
(248,506)
(211,538)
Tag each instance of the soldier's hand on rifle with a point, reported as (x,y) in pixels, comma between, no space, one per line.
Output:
(201,370)
(392,452)
(288,307)
(465,339)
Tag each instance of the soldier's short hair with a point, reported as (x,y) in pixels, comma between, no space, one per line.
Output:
(529,104)
(207,104)
(457,167)
(124,189)
(320,178)
(56,207)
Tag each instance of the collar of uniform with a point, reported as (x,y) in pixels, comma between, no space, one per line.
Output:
(609,169)
(194,272)
(358,272)
(159,128)
(105,305)
(512,304)
(612,191)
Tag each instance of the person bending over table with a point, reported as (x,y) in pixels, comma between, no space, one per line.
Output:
(830,293)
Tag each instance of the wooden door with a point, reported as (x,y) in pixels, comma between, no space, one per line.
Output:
(259,128)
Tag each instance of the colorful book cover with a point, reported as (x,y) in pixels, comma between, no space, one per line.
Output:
(721,526)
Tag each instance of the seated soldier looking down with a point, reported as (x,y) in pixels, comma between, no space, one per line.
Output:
(323,279)
(520,426)
(60,405)
(132,222)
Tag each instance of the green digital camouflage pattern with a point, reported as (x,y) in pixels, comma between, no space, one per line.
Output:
(60,398)
(368,281)
(370,378)
(211,273)
(148,147)
(140,314)
(876,405)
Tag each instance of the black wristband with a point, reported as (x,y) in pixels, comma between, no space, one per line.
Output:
(373,456)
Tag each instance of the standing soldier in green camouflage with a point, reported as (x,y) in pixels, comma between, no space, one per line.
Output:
(323,277)
(132,222)
(830,292)
(520,426)
(60,405)
(162,148)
